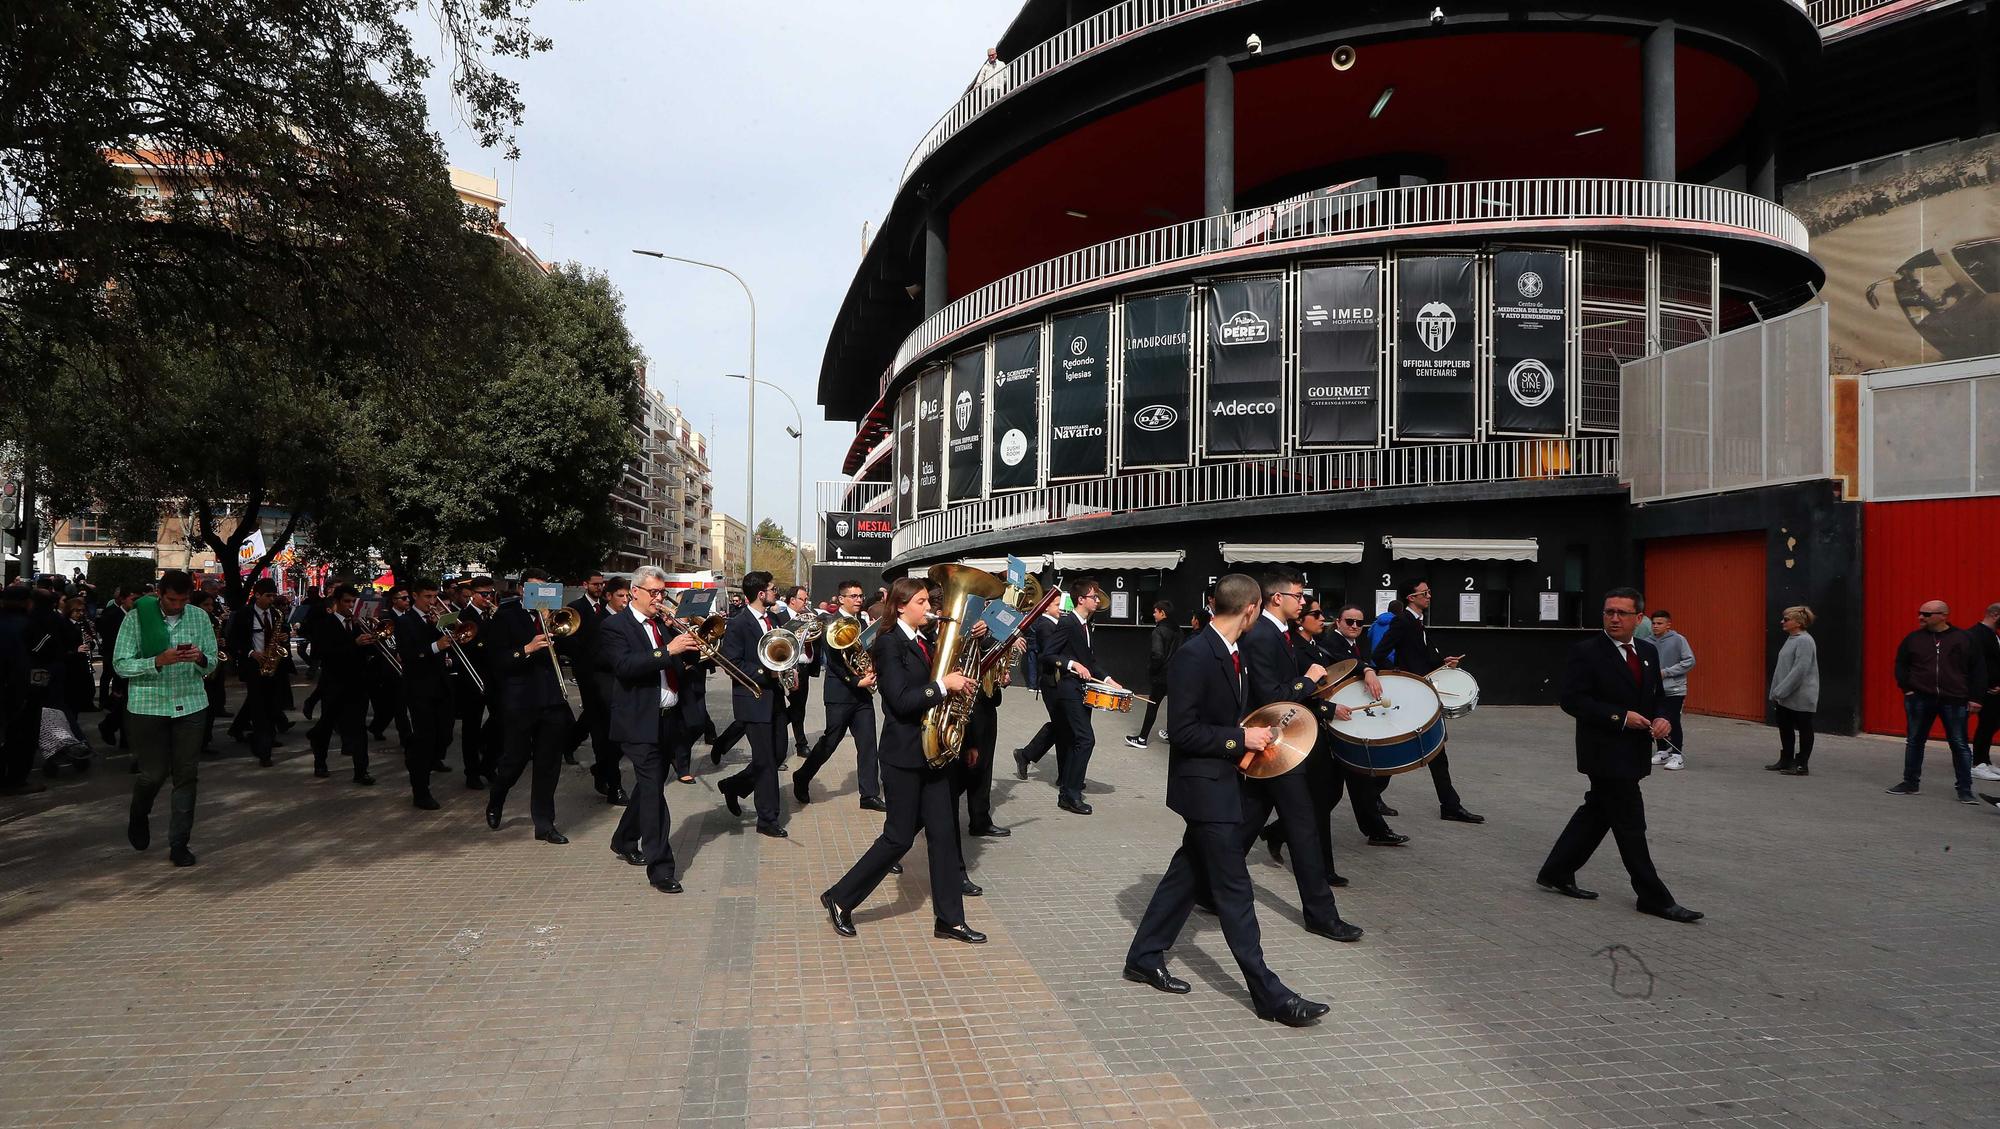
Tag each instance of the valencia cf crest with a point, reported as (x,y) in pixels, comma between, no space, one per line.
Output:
(961,410)
(1435,326)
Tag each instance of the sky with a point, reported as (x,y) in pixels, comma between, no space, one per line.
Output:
(760,136)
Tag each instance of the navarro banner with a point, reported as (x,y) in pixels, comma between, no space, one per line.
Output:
(1530,342)
(965,425)
(1436,347)
(1080,396)
(906,454)
(1017,403)
(1158,376)
(930,442)
(853,536)
(1246,367)
(1340,355)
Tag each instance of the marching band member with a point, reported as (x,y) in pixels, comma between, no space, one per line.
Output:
(976,778)
(850,708)
(338,643)
(797,607)
(475,611)
(694,716)
(427,695)
(1041,636)
(648,669)
(580,650)
(385,686)
(1405,646)
(532,712)
(251,632)
(1075,664)
(919,796)
(761,717)
(1206,697)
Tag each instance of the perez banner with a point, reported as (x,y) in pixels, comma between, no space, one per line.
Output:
(1017,403)
(1436,347)
(1158,375)
(851,536)
(1530,342)
(965,425)
(930,442)
(1080,396)
(1340,354)
(1246,367)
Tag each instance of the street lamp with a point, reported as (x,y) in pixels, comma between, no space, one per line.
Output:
(750,475)
(799,496)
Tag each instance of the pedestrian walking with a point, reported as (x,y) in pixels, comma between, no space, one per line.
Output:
(1794,692)
(1676,659)
(1940,671)
(164,653)
(1987,634)
(1160,651)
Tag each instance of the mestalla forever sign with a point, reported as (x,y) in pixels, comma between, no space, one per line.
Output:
(851,536)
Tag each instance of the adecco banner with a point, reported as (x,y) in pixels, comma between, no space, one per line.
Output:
(851,536)
(906,454)
(930,442)
(1340,354)
(1158,368)
(1017,403)
(1436,347)
(1080,396)
(1530,342)
(1246,367)
(965,425)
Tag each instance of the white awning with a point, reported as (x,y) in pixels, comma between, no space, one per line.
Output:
(1235,551)
(998,565)
(1071,562)
(1462,548)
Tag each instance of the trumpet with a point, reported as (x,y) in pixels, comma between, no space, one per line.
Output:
(844,633)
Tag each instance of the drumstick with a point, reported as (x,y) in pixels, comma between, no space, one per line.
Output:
(1145,699)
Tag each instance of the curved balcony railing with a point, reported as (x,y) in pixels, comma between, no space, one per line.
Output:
(1386,210)
(1826,13)
(1291,476)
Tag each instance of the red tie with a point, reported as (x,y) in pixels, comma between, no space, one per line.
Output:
(1632,662)
(925,648)
(672,676)
(1236,659)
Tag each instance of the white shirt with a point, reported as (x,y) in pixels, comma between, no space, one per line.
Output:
(257,618)
(910,633)
(668,697)
(1281,625)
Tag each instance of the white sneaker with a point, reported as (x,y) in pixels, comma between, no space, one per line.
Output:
(1136,742)
(1985,772)
(1163,735)
(1659,757)
(1673,763)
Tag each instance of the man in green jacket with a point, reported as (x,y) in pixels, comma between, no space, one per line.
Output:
(165,652)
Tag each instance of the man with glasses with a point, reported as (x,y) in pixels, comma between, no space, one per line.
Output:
(422,649)
(1611,685)
(793,613)
(385,686)
(580,650)
(648,662)
(761,717)
(1076,664)
(850,708)
(1942,675)
(475,613)
(1406,646)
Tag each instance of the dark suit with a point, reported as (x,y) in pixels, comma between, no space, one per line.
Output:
(1406,646)
(110,687)
(810,655)
(478,753)
(694,716)
(1275,672)
(1206,699)
(1597,690)
(1333,775)
(427,697)
(762,718)
(343,690)
(976,779)
(581,651)
(919,796)
(257,719)
(1071,641)
(532,713)
(646,732)
(1053,733)
(849,709)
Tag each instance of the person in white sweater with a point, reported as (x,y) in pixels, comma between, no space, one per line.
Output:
(1795,692)
(1676,659)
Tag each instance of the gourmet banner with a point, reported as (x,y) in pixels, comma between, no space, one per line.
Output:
(1436,347)
(853,536)
(1530,342)
(1080,396)
(1017,404)
(965,425)
(906,454)
(1246,367)
(930,442)
(1158,376)
(1340,355)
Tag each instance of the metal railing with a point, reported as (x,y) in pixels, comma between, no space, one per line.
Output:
(1826,13)
(1511,202)
(834,495)
(1249,480)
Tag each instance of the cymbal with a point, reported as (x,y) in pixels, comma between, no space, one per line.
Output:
(1297,730)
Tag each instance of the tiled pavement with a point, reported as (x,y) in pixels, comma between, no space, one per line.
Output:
(342,959)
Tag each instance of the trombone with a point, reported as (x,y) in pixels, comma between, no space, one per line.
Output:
(447,622)
(559,624)
(708,644)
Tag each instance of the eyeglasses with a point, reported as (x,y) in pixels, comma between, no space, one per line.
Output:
(650,591)
(1353,622)
(1290,595)
(486,592)
(1420,592)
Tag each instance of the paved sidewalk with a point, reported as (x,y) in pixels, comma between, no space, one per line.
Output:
(339,958)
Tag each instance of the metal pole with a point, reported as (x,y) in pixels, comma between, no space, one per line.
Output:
(799,512)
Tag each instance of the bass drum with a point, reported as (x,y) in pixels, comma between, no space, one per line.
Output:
(1457,690)
(1401,732)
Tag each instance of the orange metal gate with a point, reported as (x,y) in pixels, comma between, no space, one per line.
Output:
(1715,587)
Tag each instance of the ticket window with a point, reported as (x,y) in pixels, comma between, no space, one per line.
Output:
(1476,595)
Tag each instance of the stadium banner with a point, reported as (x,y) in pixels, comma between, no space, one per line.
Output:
(965,426)
(906,454)
(1159,375)
(1080,396)
(1246,367)
(854,536)
(930,442)
(1530,342)
(1017,403)
(1436,347)
(1340,355)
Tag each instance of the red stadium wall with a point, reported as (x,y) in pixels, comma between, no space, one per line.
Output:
(1915,551)
(1714,586)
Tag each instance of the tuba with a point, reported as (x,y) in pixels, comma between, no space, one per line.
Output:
(844,633)
(945,726)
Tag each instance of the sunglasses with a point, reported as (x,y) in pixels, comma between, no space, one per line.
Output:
(1315,615)
(1353,622)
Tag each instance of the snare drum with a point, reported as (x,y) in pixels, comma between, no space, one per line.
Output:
(1099,696)
(1457,691)
(1401,732)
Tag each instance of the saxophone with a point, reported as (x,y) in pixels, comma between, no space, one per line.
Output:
(272,656)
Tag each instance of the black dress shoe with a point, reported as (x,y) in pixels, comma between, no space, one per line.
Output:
(552,836)
(1345,931)
(714,756)
(632,857)
(1159,978)
(1568,889)
(1795,770)
(965,933)
(1273,844)
(1460,815)
(1676,912)
(969,888)
(181,856)
(1075,808)
(1384,809)
(774,832)
(616,796)
(1205,907)
(734,801)
(1020,764)
(264,761)
(801,791)
(493,817)
(843,921)
(895,868)
(870,803)
(425,803)
(568,758)
(321,771)
(993,832)
(1295,1012)
(139,831)
(1780,766)
(1390,840)
(364,779)
(474,784)
(1336,880)
(666,885)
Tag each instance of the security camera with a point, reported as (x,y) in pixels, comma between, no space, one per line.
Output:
(1255,44)
(1437,17)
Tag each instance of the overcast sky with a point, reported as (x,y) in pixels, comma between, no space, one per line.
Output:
(758,136)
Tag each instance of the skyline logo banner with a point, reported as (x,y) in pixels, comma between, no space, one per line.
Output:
(1436,358)
(1159,380)
(1080,397)
(1246,367)
(1340,355)
(1530,343)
